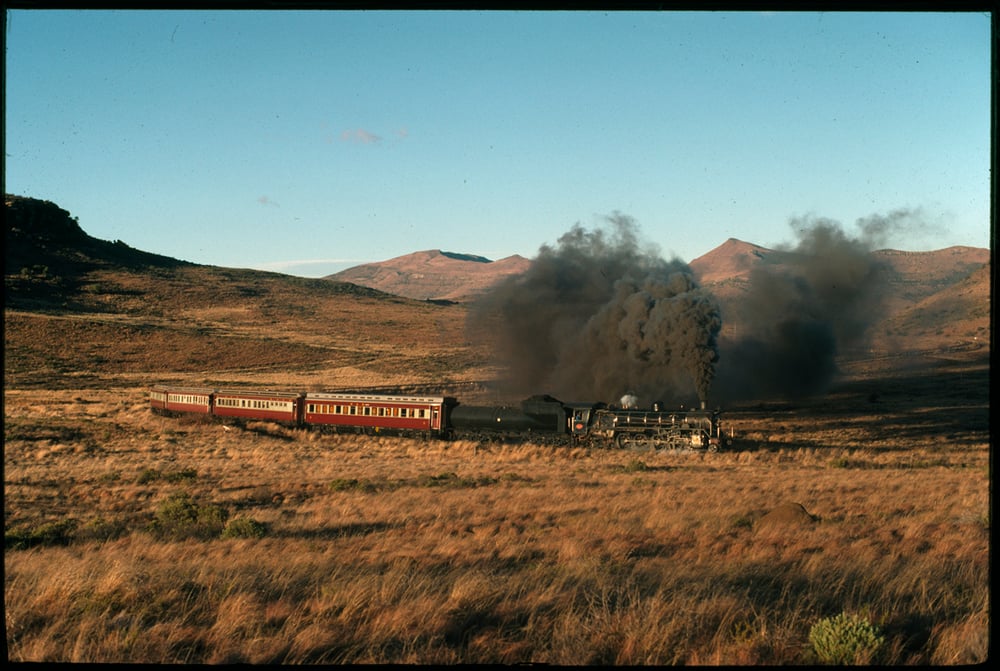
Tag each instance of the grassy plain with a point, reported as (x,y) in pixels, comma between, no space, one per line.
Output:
(873,500)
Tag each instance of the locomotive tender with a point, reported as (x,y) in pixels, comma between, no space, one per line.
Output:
(542,418)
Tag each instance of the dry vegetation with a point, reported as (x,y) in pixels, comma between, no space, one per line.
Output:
(309,548)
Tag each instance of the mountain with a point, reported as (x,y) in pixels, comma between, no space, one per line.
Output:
(915,275)
(733,259)
(434,274)
(927,300)
(936,299)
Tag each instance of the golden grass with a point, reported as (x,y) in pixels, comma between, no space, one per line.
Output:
(400,550)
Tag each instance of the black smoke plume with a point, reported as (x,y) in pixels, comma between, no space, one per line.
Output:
(596,316)
(805,306)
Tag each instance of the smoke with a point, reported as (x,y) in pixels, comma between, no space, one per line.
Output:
(599,314)
(804,306)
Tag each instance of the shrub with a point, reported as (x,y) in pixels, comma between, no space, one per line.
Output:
(636,466)
(344,484)
(846,639)
(47,533)
(243,527)
(180,517)
(101,529)
(184,474)
(148,475)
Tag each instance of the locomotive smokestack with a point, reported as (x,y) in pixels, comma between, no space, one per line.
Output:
(703,405)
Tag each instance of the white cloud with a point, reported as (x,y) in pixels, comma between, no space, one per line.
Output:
(360,135)
(308,267)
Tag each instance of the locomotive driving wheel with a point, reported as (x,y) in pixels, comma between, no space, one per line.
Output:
(636,442)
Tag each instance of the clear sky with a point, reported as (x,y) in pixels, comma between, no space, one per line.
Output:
(305,142)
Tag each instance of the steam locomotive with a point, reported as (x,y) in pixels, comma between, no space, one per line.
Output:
(540,418)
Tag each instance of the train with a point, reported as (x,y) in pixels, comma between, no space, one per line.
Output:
(541,418)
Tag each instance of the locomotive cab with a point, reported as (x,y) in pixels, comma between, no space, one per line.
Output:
(579,417)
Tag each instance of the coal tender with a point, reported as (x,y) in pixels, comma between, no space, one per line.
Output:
(536,415)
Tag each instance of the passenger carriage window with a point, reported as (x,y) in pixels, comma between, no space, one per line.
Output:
(402,412)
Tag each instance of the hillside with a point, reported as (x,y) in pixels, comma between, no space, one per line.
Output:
(79,310)
(434,274)
(927,300)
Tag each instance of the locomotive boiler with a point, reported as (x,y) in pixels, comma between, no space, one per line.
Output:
(656,428)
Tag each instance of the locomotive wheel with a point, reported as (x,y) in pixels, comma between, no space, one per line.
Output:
(635,442)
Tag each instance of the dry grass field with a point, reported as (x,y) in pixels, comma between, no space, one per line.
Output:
(134,538)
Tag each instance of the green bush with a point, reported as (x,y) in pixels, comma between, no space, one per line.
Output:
(180,517)
(345,484)
(102,529)
(244,527)
(148,475)
(846,639)
(48,533)
(184,474)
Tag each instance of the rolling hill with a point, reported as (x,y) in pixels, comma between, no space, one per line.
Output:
(434,274)
(927,300)
(82,308)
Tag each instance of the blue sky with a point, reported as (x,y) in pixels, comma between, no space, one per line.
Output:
(305,142)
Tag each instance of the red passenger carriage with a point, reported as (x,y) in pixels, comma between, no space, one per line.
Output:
(158,399)
(279,406)
(185,400)
(376,412)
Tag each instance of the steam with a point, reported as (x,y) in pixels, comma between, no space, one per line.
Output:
(598,315)
(806,305)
